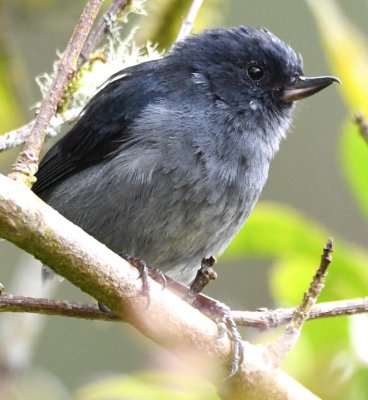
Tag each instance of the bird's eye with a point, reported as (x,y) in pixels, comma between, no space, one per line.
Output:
(255,72)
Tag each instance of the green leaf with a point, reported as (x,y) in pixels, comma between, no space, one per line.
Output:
(354,162)
(275,230)
(295,243)
(347,51)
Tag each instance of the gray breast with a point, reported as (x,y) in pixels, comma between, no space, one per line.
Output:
(171,198)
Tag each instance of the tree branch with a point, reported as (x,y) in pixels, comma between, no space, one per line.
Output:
(27,161)
(170,322)
(16,137)
(262,319)
(266,319)
(9,303)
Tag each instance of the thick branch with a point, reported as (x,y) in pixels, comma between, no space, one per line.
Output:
(38,229)
(27,162)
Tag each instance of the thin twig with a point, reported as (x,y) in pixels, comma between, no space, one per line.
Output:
(363,126)
(267,319)
(102,27)
(27,162)
(18,136)
(263,319)
(283,345)
(9,303)
(315,288)
(187,24)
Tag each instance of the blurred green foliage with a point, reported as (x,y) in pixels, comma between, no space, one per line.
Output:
(347,51)
(149,386)
(9,112)
(164,18)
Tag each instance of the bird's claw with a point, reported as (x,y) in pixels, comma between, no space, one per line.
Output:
(158,276)
(217,311)
(220,314)
(144,272)
(236,343)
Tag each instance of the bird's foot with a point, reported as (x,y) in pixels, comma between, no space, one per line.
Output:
(221,315)
(215,310)
(145,271)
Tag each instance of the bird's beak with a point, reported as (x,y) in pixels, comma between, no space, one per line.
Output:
(303,87)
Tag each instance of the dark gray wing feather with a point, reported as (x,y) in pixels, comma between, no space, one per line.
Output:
(104,125)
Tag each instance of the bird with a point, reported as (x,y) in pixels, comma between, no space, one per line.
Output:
(169,158)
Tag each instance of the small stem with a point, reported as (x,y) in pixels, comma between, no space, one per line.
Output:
(102,27)
(187,24)
(27,162)
(16,137)
(283,345)
(268,319)
(363,126)
(315,289)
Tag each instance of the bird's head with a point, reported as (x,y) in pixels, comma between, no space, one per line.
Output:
(250,71)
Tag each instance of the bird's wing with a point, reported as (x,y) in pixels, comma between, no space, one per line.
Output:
(104,125)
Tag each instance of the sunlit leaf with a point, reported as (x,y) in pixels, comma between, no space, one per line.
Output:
(295,243)
(347,51)
(354,161)
(164,18)
(275,230)
(9,112)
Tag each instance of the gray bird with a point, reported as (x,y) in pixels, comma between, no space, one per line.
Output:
(169,158)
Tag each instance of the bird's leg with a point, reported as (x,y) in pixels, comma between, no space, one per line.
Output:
(204,276)
(220,314)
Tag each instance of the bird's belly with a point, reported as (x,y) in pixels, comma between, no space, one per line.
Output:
(174,238)
(171,228)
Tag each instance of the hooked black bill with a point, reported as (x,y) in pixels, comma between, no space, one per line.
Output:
(303,87)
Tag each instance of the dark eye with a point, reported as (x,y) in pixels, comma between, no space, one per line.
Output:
(255,72)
